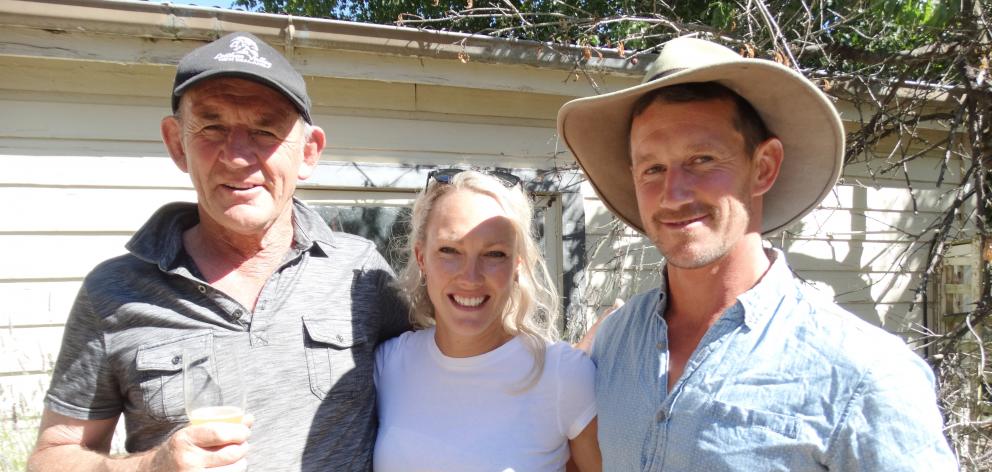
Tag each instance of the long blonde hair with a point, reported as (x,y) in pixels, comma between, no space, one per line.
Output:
(533,305)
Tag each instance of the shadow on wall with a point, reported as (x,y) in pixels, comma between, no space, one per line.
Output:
(861,254)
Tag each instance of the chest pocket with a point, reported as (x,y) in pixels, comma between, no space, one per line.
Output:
(338,358)
(160,373)
(750,439)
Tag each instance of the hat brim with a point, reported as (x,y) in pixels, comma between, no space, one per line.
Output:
(238,73)
(597,129)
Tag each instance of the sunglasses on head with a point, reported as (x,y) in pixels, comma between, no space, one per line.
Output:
(444,176)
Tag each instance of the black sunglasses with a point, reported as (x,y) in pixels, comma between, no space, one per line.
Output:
(444,176)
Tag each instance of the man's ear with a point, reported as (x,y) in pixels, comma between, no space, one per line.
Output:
(766,163)
(172,136)
(312,147)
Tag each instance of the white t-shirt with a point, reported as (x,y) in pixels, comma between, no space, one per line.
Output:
(439,413)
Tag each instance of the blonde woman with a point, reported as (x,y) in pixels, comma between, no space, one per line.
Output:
(480,385)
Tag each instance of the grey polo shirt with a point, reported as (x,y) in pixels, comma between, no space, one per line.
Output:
(308,346)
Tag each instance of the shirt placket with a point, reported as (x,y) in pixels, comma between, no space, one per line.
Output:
(655,450)
(687,385)
(273,297)
(227,308)
(263,311)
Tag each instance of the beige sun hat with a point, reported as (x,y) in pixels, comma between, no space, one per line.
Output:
(597,129)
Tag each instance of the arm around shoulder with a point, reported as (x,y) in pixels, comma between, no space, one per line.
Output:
(585,344)
(393,312)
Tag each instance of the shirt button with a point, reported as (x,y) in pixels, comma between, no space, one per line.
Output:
(176,360)
(661,416)
(238,313)
(201,288)
(660,346)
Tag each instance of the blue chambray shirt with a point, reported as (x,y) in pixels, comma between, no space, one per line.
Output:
(782,381)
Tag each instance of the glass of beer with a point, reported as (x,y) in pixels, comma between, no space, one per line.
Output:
(213,387)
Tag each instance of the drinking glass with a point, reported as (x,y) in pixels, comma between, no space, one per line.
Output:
(213,387)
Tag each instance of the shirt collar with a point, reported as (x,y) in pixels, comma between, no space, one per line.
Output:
(759,301)
(767,295)
(160,239)
(310,229)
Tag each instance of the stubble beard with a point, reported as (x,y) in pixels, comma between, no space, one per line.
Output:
(688,251)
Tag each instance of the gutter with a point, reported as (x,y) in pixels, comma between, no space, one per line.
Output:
(164,21)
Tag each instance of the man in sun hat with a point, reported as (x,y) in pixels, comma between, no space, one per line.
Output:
(248,275)
(730,364)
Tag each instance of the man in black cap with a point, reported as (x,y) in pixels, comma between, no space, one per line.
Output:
(247,279)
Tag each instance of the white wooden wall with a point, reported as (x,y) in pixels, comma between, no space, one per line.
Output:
(857,247)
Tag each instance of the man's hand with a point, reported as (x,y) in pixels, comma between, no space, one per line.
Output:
(210,446)
(585,344)
(68,444)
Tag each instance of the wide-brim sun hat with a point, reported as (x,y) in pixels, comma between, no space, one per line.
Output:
(597,129)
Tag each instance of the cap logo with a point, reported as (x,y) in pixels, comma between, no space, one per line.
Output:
(244,50)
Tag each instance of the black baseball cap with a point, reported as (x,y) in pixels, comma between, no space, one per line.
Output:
(245,56)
